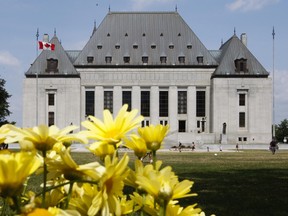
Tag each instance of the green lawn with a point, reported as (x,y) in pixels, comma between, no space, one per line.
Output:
(248,183)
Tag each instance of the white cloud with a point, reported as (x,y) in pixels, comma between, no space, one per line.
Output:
(7,59)
(249,5)
(142,4)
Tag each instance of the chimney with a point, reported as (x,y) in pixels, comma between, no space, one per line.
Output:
(46,38)
(244,38)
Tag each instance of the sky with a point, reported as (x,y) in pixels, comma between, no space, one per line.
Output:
(212,21)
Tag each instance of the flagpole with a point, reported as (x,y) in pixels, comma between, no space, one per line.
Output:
(37,37)
(273,128)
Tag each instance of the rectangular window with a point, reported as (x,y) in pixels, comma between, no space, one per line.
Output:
(51,118)
(163,103)
(126,99)
(108,100)
(242,99)
(182,102)
(145,103)
(163,122)
(181,126)
(89,103)
(51,99)
(241,119)
(200,103)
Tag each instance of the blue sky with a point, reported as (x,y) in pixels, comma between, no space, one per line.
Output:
(211,20)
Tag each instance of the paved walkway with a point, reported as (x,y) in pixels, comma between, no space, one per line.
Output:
(199,147)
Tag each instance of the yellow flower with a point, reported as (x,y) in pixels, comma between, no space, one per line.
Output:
(153,135)
(137,144)
(70,169)
(4,130)
(145,203)
(101,149)
(163,185)
(14,169)
(176,210)
(110,187)
(44,137)
(111,131)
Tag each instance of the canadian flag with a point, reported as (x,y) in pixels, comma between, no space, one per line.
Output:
(46,45)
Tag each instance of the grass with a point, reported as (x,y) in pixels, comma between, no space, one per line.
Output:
(247,183)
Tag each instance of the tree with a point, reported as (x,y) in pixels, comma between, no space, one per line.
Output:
(281,130)
(4,105)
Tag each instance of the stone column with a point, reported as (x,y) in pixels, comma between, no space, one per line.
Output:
(136,98)
(173,106)
(154,105)
(191,109)
(117,99)
(99,101)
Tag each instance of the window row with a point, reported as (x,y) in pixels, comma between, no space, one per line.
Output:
(145,102)
(163,59)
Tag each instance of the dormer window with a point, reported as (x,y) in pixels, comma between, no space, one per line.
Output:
(126,35)
(145,59)
(171,46)
(108,59)
(108,35)
(153,46)
(143,35)
(126,59)
(117,46)
(241,65)
(200,59)
(189,46)
(52,66)
(90,59)
(181,59)
(99,46)
(135,46)
(163,59)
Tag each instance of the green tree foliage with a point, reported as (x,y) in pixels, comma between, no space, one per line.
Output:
(281,130)
(4,105)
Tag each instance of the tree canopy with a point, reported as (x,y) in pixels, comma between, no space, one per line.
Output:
(4,105)
(282,130)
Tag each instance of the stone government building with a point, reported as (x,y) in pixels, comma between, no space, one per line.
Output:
(155,63)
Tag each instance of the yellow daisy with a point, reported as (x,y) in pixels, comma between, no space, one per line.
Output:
(153,135)
(44,137)
(4,130)
(112,130)
(63,164)
(137,144)
(176,210)
(163,185)
(14,169)
(110,187)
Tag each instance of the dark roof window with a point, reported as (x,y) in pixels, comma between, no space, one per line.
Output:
(90,59)
(108,59)
(126,35)
(143,35)
(163,59)
(241,65)
(126,59)
(181,59)
(200,59)
(52,66)
(189,46)
(145,59)
(135,46)
(108,35)
(161,34)
(171,46)
(153,46)
(117,46)
(99,46)
(179,34)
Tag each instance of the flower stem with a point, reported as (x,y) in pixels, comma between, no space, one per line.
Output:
(44,179)
(69,194)
(154,158)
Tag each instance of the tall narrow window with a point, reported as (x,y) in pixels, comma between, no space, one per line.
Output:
(51,99)
(89,103)
(200,103)
(108,100)
(242,99)
(90,59)
(145,59)
(241,119)
(241,65)
(181,59)
(126,99)
(126,59)
(163,103)
(181,126)
(51,118)
(145,103)
(182,102)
